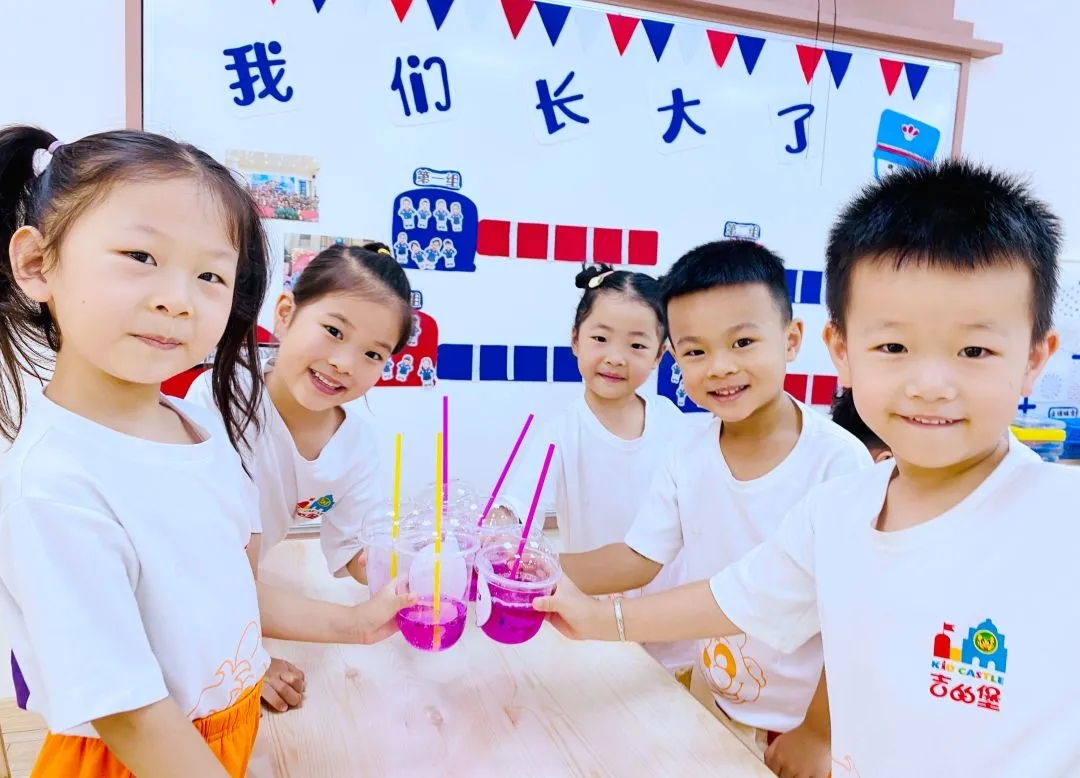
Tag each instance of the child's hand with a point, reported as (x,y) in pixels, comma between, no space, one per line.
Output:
(283,685)
(377,616)
(578,616)
(801,753)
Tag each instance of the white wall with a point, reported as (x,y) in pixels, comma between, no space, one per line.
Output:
(63,69)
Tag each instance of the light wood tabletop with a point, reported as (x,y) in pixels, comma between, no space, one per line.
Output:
(550,707)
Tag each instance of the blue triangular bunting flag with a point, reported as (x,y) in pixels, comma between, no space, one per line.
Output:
(319,4)
(659,34)
(439,10)
(554,18)
(838,64)
(750,48)
(916,75)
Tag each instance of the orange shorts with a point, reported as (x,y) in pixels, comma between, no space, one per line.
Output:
(229,733)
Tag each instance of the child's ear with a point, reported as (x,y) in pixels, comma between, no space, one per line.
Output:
(284,311)
(573,341)
(29,263)
(1037,359)
(837,345)
(793,335)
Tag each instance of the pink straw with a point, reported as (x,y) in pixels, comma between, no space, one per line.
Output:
(445,443)
(532,511)
(505,471)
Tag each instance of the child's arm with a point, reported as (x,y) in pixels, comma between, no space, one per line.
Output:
(806,750)
(289,616)
(158,740)
(609,569)
(770,593)
(654,540)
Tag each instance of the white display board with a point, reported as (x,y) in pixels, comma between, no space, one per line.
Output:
(563,132)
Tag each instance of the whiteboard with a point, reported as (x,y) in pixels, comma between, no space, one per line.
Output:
(563,131)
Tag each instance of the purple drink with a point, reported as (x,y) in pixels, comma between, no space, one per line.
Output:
(504,608)
(419,626)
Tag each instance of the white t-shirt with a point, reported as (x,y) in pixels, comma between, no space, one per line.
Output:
(123,576)
(696,506)
(931,634)
(597,482)
(339,487)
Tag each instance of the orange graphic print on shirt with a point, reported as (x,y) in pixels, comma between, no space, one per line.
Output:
(731,673)
(844,767)
(237,674)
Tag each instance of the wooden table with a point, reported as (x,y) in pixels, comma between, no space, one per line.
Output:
(551,707)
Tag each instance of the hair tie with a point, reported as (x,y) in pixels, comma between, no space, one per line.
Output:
(596,280)
(56,144)
(384,251)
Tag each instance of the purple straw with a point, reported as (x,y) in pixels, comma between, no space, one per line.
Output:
(445,446)
(505,471)
(532,511)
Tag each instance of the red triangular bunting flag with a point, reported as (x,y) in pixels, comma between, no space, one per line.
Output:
(720,42)
(809,57)
(622,30)
(516,12)
(401,7)
(891,69)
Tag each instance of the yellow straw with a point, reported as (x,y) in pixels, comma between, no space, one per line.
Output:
(437,638)
(397,506)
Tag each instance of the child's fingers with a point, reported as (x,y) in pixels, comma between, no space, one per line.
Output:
(291,696)
(273,699)
(546,604)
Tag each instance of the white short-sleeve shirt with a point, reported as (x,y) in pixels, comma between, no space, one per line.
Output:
(697,508)
(123,575)
(339,487)
(597,482)
(937,638)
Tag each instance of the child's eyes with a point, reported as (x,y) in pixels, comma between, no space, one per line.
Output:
(213,278)
(141,257)
(333,331)
(695,352)
(891,348)
(376,357)
(974,352)
(599,338)
(639,346)
(743,342)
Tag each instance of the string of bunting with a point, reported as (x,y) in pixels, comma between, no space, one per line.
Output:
(553,17)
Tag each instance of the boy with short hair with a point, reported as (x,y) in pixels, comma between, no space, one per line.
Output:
(935,579)
(723,488)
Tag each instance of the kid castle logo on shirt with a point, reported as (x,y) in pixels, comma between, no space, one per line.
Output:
(315,507)
(977,666)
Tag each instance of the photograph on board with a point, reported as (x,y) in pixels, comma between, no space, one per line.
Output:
(283,185)
(301,249)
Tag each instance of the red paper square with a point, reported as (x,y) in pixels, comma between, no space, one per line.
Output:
(644,247)
(532,240)
(570,243)
(822,389)
(493,238)
(607,246)
(796,385)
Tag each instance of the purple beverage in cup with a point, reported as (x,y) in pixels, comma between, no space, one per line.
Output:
(504,609)
(430,572)
(420,628)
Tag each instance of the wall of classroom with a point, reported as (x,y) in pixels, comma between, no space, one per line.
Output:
(64,69)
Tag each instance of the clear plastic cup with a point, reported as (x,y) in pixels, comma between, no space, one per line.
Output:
(460,497)
(376,536)
(504,602)
(432,625)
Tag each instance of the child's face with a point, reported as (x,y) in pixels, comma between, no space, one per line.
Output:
(144,283)
(733,346)
(617,347)
(333,349)
(938,359)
